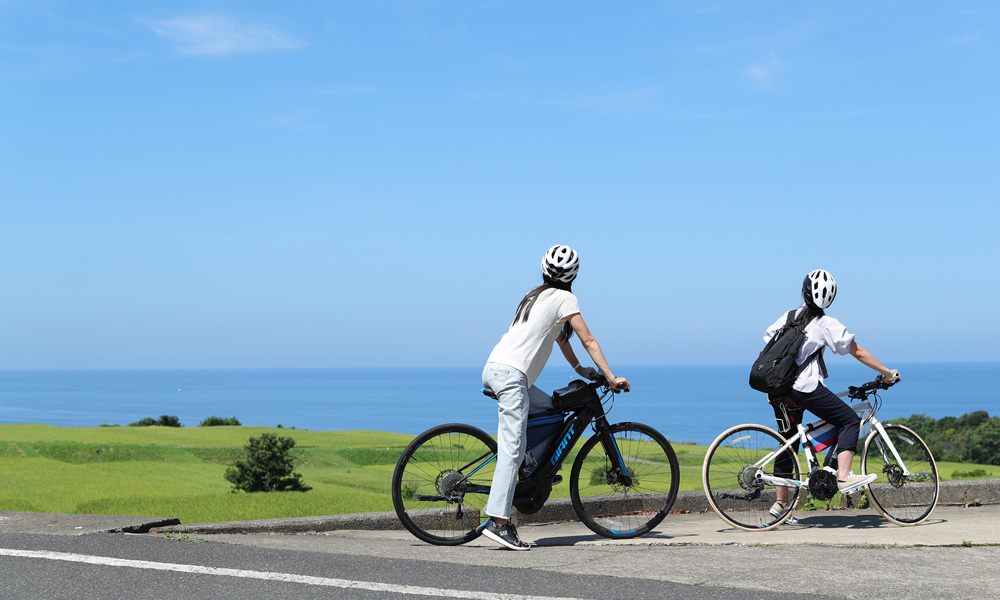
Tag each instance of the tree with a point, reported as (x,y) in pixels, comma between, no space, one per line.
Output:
(986,443)
(214,421)
(266,466)
(973,437)
(163,421)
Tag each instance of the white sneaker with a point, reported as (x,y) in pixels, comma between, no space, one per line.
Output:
(777,510)
(855,482)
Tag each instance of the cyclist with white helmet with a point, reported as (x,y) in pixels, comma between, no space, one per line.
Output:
(548,313)
(808,392)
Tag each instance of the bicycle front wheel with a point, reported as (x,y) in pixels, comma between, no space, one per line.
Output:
(627,495)
(434,483)
(904,499)
(731,476)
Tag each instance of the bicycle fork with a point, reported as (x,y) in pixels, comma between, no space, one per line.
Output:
(881,441)
(619,473)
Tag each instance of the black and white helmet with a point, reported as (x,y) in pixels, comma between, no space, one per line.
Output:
(561,263)
(819,288)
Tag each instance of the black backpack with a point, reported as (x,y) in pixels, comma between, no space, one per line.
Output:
(774,372)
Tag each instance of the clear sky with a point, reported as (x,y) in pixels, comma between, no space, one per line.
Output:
(317,184)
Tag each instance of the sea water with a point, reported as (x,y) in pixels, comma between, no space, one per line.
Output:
(686,403)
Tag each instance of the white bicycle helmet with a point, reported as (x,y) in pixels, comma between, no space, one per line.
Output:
(561,263)
(820,288)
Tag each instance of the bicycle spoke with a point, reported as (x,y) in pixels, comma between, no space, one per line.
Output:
(625,502)
(732,479)
(906,493)
(431,478)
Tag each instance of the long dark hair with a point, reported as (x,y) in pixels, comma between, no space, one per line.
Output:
(524,308)
(811,311)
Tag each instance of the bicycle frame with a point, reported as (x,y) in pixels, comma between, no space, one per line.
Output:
(552,459)
(863,409)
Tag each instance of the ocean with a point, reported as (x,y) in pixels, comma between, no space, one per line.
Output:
(686,403)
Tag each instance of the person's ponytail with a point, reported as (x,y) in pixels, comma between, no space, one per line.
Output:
(524,308)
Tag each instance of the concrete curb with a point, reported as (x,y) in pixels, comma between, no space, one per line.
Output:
(78,524)
(955,493)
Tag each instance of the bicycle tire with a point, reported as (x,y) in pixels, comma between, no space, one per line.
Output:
(902,500)
(428,483)
(727,476)
(622,508)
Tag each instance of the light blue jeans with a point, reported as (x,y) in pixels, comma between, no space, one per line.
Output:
(516,400)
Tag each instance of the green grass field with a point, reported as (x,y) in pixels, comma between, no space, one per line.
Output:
(178,472)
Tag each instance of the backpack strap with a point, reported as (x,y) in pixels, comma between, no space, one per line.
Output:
(817,355)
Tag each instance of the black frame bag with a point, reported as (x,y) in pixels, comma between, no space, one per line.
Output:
(577,393)
(775,370)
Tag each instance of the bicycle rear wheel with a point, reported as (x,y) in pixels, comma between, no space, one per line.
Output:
(625,505)
(434,481)
(730,477)
(903,499)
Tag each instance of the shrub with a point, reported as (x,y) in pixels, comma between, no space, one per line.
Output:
(973,437)
(266,466)
(978,473)
(214,421)
(163,421)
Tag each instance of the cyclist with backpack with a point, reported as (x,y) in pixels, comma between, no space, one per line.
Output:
(548,313)
(807,391)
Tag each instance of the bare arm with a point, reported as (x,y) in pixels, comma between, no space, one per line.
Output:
(865,357)
(574,362)
(594,349)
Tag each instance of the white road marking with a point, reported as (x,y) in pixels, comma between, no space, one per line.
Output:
(270,576)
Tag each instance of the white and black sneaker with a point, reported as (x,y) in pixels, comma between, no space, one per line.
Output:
(505,535)
(855,482)
(777,509)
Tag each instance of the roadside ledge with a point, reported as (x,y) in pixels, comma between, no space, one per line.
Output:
(60,524)
(953,493)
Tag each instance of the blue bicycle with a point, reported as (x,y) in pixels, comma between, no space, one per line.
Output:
(622,484)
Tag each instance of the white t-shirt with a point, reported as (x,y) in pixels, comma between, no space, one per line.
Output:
(824,331)
(527,344)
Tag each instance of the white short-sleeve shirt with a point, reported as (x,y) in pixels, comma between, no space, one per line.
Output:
(527,344)
(822,332)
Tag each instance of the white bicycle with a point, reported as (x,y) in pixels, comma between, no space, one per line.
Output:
(740,480)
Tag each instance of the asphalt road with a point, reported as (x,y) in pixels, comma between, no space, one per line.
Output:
(842,554)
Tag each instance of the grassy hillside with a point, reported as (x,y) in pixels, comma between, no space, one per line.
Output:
(178,472)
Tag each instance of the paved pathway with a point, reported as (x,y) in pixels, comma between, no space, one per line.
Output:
(952,555)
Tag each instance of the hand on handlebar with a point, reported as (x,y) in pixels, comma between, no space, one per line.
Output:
(892,378)
(620,384)
(590,373)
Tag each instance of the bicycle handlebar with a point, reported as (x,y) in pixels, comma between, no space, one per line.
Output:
(599,381)
(862,392)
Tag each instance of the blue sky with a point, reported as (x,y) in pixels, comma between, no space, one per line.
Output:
(312,184)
